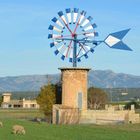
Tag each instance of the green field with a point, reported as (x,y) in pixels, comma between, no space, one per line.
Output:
(44,131)
(20,113)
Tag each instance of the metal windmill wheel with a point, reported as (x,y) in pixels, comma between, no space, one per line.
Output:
(73,35)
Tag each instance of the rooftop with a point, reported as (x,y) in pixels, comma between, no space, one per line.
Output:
(6,94)
(74,68)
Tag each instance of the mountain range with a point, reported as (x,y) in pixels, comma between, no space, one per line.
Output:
(97,78)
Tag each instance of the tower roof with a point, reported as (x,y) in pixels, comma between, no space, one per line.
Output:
(6,94)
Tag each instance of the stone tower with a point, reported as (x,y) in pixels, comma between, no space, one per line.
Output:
(74,87)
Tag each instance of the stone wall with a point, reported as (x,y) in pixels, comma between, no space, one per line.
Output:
(109,116)
(65,115)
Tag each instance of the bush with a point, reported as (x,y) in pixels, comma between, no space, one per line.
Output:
(128,105)
(46,99)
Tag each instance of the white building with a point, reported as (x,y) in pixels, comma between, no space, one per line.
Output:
(8,103)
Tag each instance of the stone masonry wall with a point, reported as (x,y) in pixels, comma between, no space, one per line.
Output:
(74,81)
(109,116)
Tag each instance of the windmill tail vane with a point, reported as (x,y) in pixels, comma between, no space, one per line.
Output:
(114,40)
(73,36)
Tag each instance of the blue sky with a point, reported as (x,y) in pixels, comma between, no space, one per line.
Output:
(24,47)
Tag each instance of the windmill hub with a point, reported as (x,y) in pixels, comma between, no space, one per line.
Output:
(74,35)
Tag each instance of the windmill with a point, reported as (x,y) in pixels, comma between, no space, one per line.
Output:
(73,35)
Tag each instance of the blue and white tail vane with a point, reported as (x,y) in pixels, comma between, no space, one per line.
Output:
(73,35)
(114,40)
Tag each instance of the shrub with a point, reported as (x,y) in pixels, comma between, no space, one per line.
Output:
(128,105)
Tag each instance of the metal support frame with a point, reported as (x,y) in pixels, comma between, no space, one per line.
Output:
(75,51)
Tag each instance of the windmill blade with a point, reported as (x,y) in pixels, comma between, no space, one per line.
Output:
(86,21)
(55,20)
(79,59)
(59,49)
(54,36)
(92,34)
(62,16)
(56,52)
(53,44)
(75,15)
(71,56)
(83,50)
(114,40)
(92,50)
(82,16)
(51,27)
(64,54)
(68,13)
(86,56)
(87,47)
(90,27)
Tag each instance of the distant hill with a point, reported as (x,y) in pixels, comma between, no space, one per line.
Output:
(110,79)
(27,82)
(98,78)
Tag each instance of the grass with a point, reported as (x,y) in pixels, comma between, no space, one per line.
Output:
(20,113)
(44,131)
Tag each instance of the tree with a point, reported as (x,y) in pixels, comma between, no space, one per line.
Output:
(46,98)
(97,98)
(1,100)
(58,95)
(128,105)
